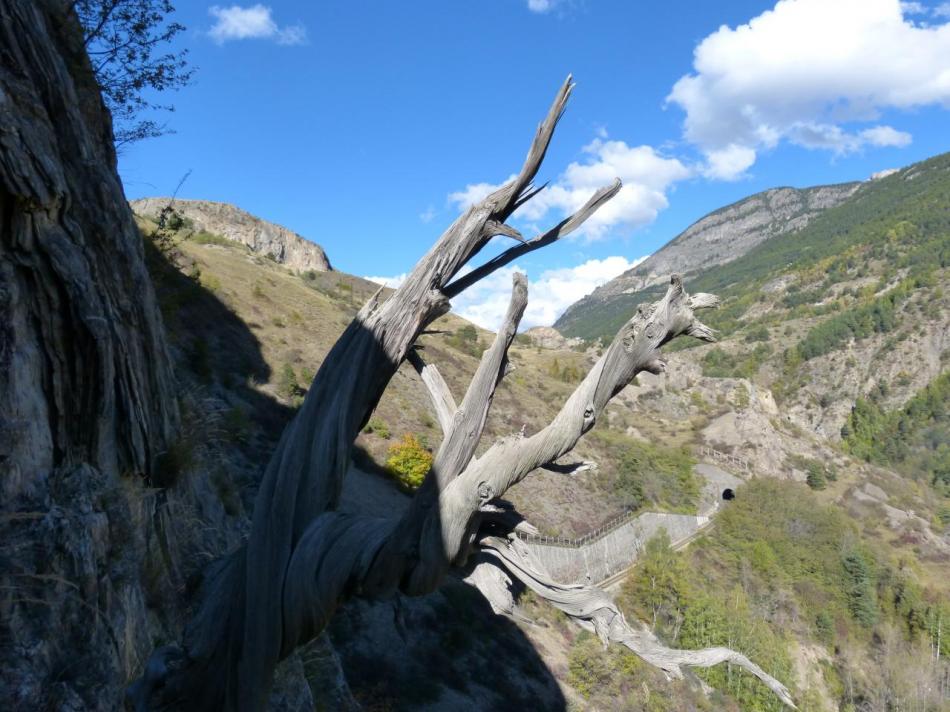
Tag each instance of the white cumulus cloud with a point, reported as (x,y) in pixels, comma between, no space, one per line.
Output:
(886,136)
(252,22)
(474,192)
(392,282)
(646,174)
(541,6)
(554,290)
(812,72)
(728,163)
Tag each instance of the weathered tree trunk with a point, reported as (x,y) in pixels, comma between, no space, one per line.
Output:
(86,389)
(303,558)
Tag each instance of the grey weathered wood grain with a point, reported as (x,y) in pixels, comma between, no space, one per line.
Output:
(303,557)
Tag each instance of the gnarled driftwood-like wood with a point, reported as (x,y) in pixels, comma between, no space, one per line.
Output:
(303,558)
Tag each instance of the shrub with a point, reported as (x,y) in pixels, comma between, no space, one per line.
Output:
(378,426)
(696,399)
(742,396)
(236,424)
(287,384)
(409,461)
(465,340)
(717,363)
(758,334)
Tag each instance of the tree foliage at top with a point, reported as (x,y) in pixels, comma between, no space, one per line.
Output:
(127,43)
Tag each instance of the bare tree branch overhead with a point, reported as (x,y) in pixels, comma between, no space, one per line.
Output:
(304,558)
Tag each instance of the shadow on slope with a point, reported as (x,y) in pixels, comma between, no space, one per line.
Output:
(447,649)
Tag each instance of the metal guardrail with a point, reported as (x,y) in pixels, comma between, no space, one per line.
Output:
(585,539)
(705,451)
(728,458)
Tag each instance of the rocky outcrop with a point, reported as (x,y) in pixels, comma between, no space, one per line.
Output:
(549,338)
(109,510)
(285,246)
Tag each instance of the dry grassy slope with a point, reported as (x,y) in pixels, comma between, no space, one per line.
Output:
(295,321)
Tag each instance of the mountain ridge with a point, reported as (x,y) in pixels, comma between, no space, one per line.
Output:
(717,238)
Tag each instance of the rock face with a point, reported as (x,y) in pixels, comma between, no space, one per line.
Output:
(87,397)
(549,338)
(721,237)
(285,246)
(95,558)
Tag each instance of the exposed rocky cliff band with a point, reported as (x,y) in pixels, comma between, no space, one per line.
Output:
(285,246)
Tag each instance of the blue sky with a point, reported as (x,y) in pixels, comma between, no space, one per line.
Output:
(365,126)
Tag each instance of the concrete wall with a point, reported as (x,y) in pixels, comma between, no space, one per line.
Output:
(600,559)
(594,561)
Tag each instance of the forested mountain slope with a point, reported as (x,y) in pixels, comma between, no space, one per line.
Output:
(838,339)
(720,237)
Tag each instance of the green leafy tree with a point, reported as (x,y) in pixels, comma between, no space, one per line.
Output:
(409,461)
(859,588)
(465,339)
(287,383)
(467,333)
(660,585)
(815,476)
(127,42)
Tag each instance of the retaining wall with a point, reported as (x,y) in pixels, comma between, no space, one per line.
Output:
(597,560)
(615,546)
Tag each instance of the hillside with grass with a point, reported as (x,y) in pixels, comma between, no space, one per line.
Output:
(843,518)
(721,237)
(830,376)
(852,307)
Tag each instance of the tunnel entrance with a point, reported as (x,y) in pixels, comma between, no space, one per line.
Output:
(728,494)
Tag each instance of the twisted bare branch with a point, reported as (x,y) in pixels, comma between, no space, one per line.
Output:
(303,558)
(443,403)
(592,608)
(566,226)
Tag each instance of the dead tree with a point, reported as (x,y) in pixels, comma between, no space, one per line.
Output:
(304,558)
